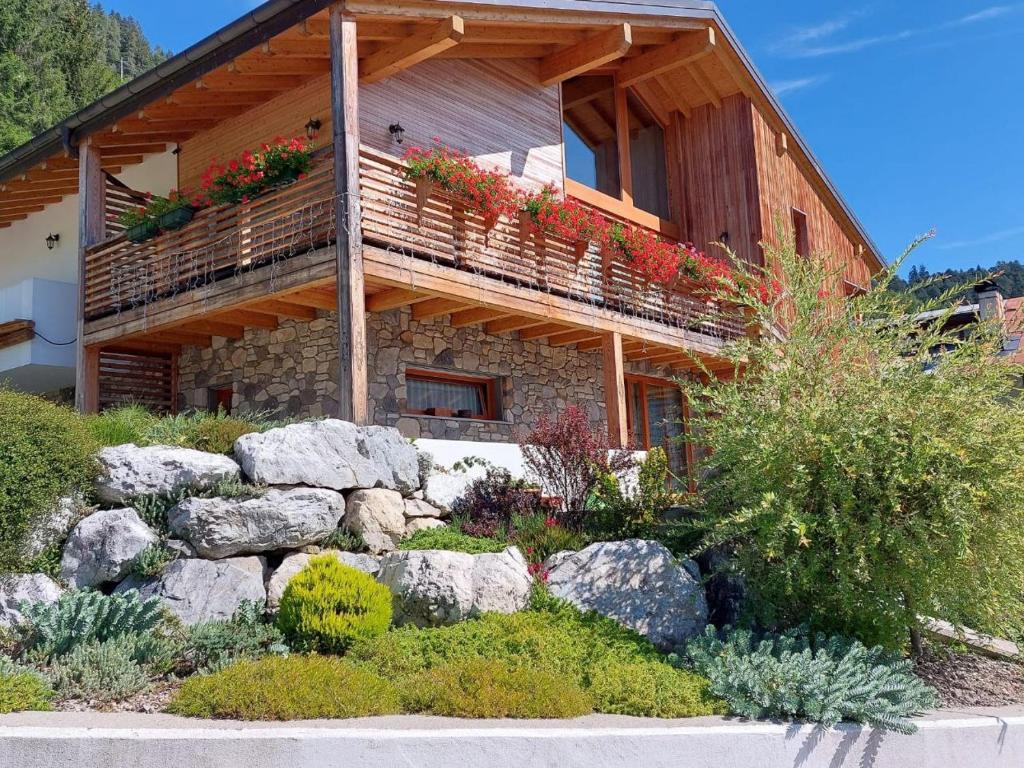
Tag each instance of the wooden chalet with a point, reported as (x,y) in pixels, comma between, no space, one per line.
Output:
(345,294)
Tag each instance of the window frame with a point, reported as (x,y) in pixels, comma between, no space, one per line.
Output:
(801,233)
(622,205)
(488,387)
(642,383)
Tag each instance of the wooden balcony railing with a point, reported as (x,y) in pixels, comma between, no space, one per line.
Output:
(299,218)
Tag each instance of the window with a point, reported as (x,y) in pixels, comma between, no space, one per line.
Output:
(609,133)
(437,393)
(801,237)
(656,418)
(219,399)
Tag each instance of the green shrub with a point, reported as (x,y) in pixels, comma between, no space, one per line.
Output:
(327,606)
(48,561)
(78,617)
(117,426)
(287,688)
(491,688)
(153,508)
(451,539)
(651,689)
(151,561)
(345,540)
(246,635)
(618,516)
(102,671)
(22,692)
(45,452)
(822,679)
(539,537)
(861,480)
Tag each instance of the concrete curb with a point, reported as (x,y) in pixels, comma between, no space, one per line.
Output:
(987,738)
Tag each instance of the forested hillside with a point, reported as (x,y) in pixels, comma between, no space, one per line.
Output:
(56,56)
(1010,279)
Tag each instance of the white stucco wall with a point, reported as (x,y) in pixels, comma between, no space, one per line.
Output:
(24,257)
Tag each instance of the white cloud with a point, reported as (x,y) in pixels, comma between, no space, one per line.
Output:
(797,84)
(991,237)
(993,12)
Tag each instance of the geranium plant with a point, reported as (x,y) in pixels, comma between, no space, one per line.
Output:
(564,217)
(279,162)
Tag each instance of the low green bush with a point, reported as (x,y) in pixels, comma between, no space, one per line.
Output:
(80,616)
(539,537)
(118,426)
(293,687)
(202,430)
(45,452)
(821,679)
(23,691)
(492,688)
(451,539)
(151,561)
(327,606)
(618,515)
(651,689)
(98,671)
(213,645)
(345,540)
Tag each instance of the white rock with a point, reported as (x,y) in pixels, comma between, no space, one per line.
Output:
(54,527)
(416,524)
(330,454)
(436,587)
(295,562)
(18,588)
(639,584)
(444,488)
(419,508)
(378,516)
(128,470)
(277,519)
(204,590)
(103,545)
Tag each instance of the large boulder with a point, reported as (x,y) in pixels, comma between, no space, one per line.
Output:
(53,528)
(378,516)
(436,587)
(18,588)
(637,583)
(330,454)
(128,470)
(296,561)
(442,488)
(103,546)
(414,525)
(277,519)
(204,590)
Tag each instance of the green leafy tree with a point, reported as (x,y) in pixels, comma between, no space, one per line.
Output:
(862,482)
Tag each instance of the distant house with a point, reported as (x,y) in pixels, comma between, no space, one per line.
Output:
(358,293)
(991,306)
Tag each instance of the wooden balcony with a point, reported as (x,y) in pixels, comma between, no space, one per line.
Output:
(232,257)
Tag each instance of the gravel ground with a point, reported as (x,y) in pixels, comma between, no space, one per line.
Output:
(153,698)
(970,680)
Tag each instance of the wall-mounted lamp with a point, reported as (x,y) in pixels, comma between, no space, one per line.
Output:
(397,132)
(51,241)
(313,128)
(724,238)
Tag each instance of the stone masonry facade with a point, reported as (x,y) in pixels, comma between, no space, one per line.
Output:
(291,372)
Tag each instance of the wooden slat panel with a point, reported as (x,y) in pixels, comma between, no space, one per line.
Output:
(137,378)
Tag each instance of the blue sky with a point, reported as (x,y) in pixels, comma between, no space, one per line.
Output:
(915,108)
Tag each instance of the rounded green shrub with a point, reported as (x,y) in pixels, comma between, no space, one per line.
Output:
(327,606)
(117,426)
(45,452)
(287,688)
(452,540)
(493,688)
(24,691)
(651,689)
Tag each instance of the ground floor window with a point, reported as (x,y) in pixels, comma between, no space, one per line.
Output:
(657,417)
(440,393)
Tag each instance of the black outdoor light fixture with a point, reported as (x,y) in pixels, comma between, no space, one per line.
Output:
(51,241)
(313,128)
(724,238)
(397,132)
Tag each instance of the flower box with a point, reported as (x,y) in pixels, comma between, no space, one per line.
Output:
(143,231)
(177,218)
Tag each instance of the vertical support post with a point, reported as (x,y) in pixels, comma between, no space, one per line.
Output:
(352,386)
(615,389)
(91,230)
(622,134)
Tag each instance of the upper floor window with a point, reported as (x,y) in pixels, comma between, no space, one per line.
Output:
(801,234)
(614,144)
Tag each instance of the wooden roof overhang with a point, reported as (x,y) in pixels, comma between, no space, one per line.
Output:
(678,55)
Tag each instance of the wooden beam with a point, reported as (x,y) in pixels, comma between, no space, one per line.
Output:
(590,345)
(683,50)
(781,143)
(393,59)
(508,324)
(540,331)
(185,338)
(622,137)
(248,318)
(586,55)
(316,299)
(393,298)
(92,191)
(283,309)
(694,71)
(476,316)
(615,390)
(215,328)
(350,281)
(570,337)
(431,308)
